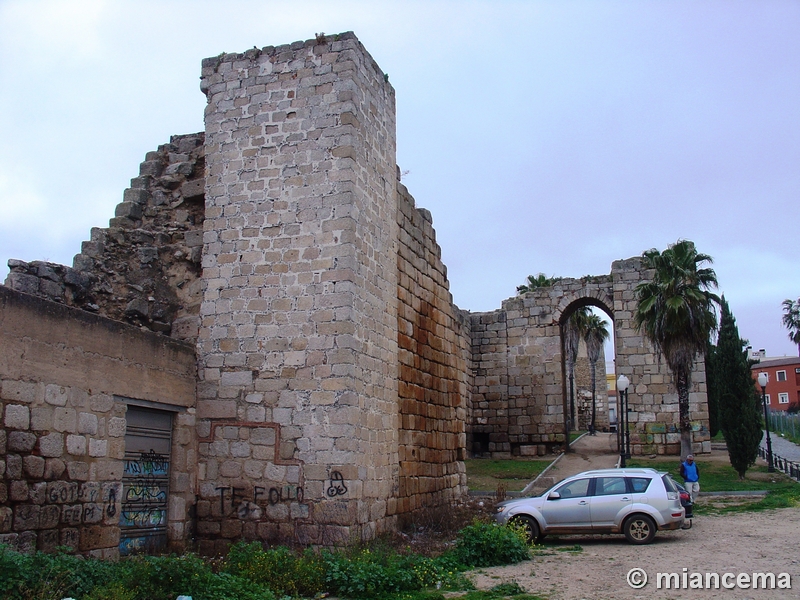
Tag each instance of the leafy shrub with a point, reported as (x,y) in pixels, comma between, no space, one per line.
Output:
(488,545)
(252,573)
(367,573)
(280,569)
(165,577)
(47,576)
(40,575)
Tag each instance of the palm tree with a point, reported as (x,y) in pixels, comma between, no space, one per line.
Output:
(539,281)
(676,313)
(791,320)
(595,334)
(573,333)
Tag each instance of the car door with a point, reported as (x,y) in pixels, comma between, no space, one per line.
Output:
(611,497)
(571,508)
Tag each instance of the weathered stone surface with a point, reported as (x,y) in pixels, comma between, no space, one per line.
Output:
(17,416)
(21,441)
(120,264)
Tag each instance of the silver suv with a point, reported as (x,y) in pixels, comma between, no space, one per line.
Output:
(636,502)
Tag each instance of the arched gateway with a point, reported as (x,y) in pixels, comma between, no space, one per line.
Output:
(520,398)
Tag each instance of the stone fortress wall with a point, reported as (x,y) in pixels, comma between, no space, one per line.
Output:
(435,368)
(144,268)
(338,388)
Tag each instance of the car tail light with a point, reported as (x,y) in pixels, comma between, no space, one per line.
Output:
(672,495)
(679,514)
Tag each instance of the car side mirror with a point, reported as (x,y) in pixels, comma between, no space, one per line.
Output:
(554,496)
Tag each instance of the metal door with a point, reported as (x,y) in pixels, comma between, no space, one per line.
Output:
(145,480)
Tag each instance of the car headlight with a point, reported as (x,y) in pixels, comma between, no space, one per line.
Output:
(499,509)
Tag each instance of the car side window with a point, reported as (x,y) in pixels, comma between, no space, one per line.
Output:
(605,486)
(639,484)
(575,489)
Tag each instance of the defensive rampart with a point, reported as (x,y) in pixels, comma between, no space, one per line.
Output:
(327,386)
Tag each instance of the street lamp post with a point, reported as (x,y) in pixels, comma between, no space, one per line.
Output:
(624,437)
(763,379)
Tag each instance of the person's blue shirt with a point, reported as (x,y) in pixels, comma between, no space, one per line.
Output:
(689,472)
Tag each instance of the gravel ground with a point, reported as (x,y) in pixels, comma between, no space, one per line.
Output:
(739,543)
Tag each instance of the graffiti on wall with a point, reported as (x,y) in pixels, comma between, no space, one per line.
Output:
(337,486)
(143,516)
(250,505)
(236,499)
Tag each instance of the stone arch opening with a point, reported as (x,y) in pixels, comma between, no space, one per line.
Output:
(573,406)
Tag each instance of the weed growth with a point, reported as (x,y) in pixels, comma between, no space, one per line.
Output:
(487,545)
(251,572)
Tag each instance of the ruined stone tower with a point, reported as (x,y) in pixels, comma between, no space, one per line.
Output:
(297,349)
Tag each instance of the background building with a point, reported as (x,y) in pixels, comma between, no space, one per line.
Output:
(783,389)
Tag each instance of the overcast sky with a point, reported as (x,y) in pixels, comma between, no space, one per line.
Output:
(549,137)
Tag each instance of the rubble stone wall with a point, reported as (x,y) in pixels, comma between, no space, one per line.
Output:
(65,379)
(144,268)
(435,368)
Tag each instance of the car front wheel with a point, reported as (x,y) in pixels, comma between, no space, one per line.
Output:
(530,526)
(639,529)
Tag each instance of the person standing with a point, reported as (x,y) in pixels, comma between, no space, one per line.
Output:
(691,476)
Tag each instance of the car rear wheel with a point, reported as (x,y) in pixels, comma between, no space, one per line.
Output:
(530,526)
(639,529)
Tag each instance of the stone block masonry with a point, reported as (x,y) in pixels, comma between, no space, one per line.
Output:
(298,332)
(435,362)
(66,378)
(520,394)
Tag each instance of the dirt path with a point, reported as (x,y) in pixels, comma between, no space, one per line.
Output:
(741,543)
(589,452)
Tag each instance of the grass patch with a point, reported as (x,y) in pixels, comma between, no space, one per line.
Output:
(795,439)
(574,549)
(503,591)
(574,435)
(485,474)
(716,476)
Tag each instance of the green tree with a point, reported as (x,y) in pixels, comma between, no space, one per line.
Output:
(740,403)
(595,334)
(712,389)
(791,320)
(573,332)
(675,311)
(539,281)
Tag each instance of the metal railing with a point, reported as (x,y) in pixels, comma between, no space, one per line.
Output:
(792,469)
